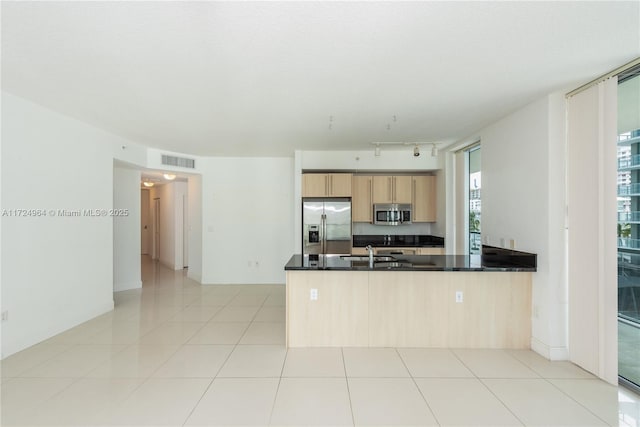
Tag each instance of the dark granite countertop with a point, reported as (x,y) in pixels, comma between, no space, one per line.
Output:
(398,241)
(493,259)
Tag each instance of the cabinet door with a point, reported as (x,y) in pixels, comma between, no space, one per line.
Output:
(314,185)
(424,198)
(361,207)
(339,184)
(401,189)
(382,189)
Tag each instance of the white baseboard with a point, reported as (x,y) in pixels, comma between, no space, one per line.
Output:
(125,286)
(548,352)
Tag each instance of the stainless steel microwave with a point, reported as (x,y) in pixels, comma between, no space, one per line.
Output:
(391,214)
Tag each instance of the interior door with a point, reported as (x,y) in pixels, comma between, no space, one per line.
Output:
(145,225)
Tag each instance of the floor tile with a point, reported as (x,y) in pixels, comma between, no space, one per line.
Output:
(314,362)
(464,402)
(270,314)
(598,396)
(549,369)
(236,401)
(275,300)
(220,333)
(124,333)
(628,408)
(388,402)
(160,402)
(213,299)
(195,361)
(196,313)
(264,333)
(76,335)
(76,362)
(20,397)
(373,362)
(235,314)
(89,401)
(19,362)
(433,363)
(248,300)
(494,364)
(312,401)
(538,402)
(226,290)
(172,333)
(136,361)
(254,361)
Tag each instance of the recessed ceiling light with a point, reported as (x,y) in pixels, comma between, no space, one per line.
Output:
(147,184)
(169,176)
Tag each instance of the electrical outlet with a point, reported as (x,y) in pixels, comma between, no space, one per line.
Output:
(5,315)
(313,295)
(459,296)
(512,243)
(502,242)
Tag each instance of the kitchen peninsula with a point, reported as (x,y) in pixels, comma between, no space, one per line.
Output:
(476,301)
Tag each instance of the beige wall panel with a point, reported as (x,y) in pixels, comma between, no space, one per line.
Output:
(407,309)
(339,317)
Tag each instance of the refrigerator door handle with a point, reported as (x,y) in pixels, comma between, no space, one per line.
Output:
(324,233)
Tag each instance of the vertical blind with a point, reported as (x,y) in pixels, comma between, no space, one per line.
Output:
(591,224)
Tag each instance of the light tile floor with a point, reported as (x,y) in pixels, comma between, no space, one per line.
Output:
(179,354)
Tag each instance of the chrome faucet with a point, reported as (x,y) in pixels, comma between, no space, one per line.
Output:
(370,249)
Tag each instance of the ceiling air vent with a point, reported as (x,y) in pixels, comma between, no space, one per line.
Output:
(181,162)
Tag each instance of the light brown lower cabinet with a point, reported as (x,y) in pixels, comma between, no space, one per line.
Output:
(409,309)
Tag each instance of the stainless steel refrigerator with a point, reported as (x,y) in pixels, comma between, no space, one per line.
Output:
(326,226)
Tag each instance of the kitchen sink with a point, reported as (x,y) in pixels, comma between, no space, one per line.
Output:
(376,258)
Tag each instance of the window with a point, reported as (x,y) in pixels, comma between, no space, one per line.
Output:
(628,227)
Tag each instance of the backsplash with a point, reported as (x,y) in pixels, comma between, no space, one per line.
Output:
(420,228)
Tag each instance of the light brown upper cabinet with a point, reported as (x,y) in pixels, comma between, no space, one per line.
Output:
(361,206)
(424,198)
(391,189)
(326,185)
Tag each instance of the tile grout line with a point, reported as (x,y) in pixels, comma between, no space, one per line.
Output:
(275,397)
(457,356)
(346,379)
(572,398)
(433,414)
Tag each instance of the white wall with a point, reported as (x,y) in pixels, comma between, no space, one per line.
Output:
(523,198)
(57,272)
(194,190)
(247,219)
(126,248)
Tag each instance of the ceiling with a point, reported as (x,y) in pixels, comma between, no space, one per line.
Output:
(267,78)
